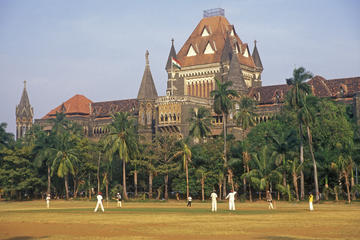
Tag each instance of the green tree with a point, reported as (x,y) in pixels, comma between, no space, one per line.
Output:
(223,104)
(200,123)
(245,117)
(185,152)
(165,147)
(121,140)
(263,172)
(296,100)
(6,139)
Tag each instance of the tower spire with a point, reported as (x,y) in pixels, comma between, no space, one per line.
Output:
(172,54)
(24,114)
(147,58)
(147,88)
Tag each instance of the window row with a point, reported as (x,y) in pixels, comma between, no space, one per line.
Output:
(200,89)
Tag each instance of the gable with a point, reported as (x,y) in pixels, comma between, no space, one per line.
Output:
(208,49)
(205,32)
(191,52)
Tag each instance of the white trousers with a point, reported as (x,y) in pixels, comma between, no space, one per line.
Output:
(97,206)
(47,203)
(271,205)
(214,206)
(232,205)
(311,206)
(119,203)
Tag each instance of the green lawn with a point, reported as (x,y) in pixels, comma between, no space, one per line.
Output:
(173,220)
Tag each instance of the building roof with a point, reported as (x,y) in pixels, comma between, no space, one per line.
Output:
(147,88)
(217,29)
(172,54)
(343,87)
(236,77)
(256,57)
(78,105)
(106,109)
(24,109)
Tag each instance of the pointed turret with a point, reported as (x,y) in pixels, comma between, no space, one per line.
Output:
(172,54)
(147,88)
(235,74)
(24,114)
(256,57)
(227,51)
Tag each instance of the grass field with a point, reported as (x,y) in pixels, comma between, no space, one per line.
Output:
(172,220)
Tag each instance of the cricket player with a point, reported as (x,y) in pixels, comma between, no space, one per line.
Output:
(189,201)
(231,197)
(213,197)
(118,197)
(99,202)
(311,199)
(269,199)
(48,201)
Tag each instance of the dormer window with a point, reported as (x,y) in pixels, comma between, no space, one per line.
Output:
(191,51)
(209,49)
(246,53)
(205,32)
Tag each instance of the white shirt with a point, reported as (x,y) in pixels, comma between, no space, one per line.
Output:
(189,199)
(213,196)
(48,198)
(99,198)
(231,196)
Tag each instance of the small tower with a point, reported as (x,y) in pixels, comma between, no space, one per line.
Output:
(171,88)
(24,115)
(259,66)
(147,96)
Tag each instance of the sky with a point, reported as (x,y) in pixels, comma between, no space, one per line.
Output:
(97,48)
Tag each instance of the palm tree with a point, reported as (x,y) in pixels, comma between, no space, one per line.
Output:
(296,98)
(65,157)
(282,145)
(245,117)
(264,172)
(164,147)
(223,105)
(306,119)
(295,169)
(185,152)
(121,140)
(200,123)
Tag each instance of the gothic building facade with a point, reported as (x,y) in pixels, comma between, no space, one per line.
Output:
(213,51)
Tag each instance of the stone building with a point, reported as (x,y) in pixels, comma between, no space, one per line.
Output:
(213,51)
(24,114)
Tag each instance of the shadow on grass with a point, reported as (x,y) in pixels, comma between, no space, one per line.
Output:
(25,238)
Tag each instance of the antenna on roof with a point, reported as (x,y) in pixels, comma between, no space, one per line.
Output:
(214,12)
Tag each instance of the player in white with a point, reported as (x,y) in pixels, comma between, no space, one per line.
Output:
(213,197)
(48,201)
(231,197)
(118,197)
(99,202)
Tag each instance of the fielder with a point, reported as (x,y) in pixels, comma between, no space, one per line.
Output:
(99,202)
(48,201)
(189,202)
(269,199)
(231,197)
(311,199)
(213,197)
(118,197)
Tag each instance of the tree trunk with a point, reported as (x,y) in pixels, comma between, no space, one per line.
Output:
(353,185)
(135,182)
(107,187)
(187,179)
(250,193)
(166,180)
(66,186)
(244,183)
(326,188)
(220,187)
(296,185)
(347,185)
(76,187)
(225,155)
(202,188)
(150,184)
(89,188)
(302,188)
(230,172)
(259,195)
(49,181)
(98,174)
(124,181)
(314,164)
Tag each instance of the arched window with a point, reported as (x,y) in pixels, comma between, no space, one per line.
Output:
(166,118)
(161,118)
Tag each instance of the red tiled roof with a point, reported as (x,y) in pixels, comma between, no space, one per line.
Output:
(77,105)
(105,109)
(218,27)
(319,85)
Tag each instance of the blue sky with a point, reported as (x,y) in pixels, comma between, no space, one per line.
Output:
(96,48)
